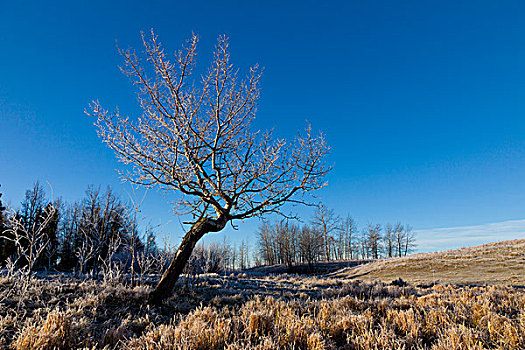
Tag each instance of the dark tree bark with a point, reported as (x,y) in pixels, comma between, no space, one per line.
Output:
(164,288)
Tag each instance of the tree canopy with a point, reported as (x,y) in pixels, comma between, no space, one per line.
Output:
(197,140)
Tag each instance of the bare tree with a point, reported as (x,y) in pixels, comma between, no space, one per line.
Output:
(326,222)
(399,234)
(278,242)
(70,237)
(247,253)
(389,239)
(233,257)
(145,262)
(84,252)
(198,142)
(227,258)
(112,271)
(242,256)
(30,240)
(285,236)
(409,240)
(310,242)
(102,217)
(373,237)
(265,243)
(347,238)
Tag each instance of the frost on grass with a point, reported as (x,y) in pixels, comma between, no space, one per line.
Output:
(249,312)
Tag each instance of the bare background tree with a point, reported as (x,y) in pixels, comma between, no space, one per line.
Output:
(348,240)
(389,240)
(326,222)
(374,240)
(266,243)
(310,242)
(198,143)
(410,240)
(329,238)
(30,238)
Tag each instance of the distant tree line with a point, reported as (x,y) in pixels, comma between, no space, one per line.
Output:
(86,236)
(97,235)
(330,238)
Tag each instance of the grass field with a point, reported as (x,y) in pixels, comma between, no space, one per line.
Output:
(501,263)
(243,311)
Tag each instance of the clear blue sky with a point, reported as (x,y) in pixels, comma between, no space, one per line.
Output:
(422,102)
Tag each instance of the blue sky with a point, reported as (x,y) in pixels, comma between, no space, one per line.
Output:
(423,103)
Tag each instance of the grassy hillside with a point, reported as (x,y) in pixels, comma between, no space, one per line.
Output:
(501,263)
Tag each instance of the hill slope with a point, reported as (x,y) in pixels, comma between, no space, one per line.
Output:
(495,263)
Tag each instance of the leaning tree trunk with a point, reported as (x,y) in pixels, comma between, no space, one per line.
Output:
(164,288)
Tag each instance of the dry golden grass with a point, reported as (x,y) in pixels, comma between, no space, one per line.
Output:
(264,313)
(273,312)
(501,263)
(53,332)
(370,316)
